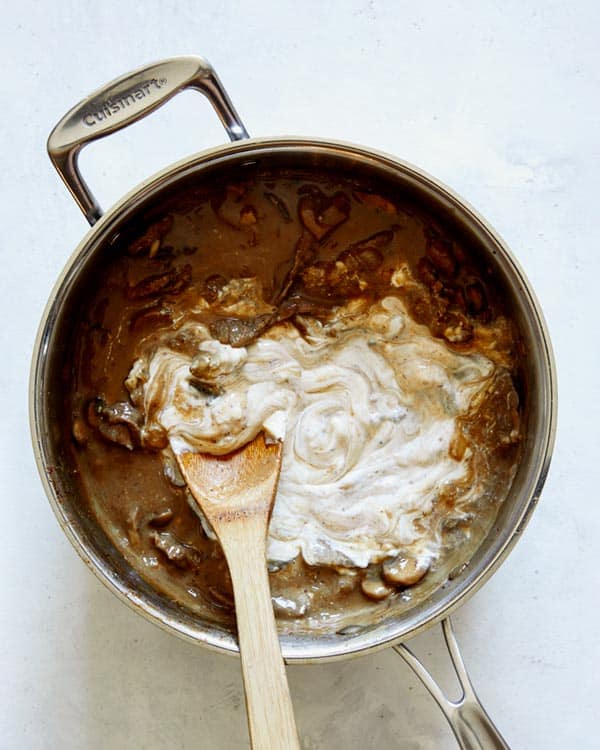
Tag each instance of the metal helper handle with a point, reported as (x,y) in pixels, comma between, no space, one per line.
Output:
(124,101)
(472,727)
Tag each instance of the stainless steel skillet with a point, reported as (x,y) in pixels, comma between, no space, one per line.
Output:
(121,103)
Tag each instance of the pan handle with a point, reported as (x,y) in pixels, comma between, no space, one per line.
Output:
(472,727)
(124,101)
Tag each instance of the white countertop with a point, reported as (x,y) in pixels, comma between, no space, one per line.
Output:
(498,100)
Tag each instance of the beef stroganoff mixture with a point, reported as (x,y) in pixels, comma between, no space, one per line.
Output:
(331,313)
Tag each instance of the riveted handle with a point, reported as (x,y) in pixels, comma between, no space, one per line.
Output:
(124,101)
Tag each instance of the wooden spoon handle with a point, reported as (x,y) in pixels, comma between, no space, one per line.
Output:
(268,703)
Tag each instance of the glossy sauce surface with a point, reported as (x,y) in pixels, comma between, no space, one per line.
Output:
(248,260)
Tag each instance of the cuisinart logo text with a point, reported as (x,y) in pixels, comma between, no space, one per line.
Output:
(118,103)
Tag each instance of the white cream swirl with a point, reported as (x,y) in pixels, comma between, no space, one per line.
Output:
(366,406)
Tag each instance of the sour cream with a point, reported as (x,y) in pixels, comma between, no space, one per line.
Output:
(366,406)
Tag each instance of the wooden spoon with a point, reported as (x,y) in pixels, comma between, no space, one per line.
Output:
(235,493)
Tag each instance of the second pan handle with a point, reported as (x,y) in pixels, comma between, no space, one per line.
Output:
(472,727)
(124,101)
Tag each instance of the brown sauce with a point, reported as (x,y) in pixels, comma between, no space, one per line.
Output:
(313,242)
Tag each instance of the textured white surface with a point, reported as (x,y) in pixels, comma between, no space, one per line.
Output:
(499,100)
